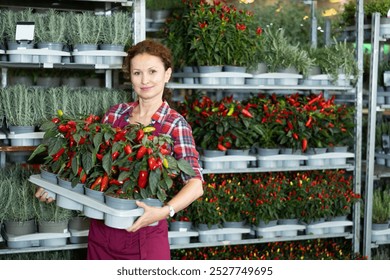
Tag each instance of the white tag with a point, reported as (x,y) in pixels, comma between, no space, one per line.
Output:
(24,31)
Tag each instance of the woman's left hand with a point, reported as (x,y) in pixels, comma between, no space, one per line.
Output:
(151,214)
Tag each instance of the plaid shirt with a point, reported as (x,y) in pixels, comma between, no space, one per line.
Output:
(171,123)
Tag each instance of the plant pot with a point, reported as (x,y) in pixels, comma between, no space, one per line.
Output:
(92,212)
(50,58)
(180,226)
(78,225)
(264,225)
(233,236)
(50,46)
(21,129)
(72,82)
(53,227)
(52,178)
(338,229)
(120,204)
(214,165)
(20,228)
(21,80)
(68,203)
(84,58)
(20,58)
(208,238)
(379,227)
(235,80)
(48,82)
(209,80)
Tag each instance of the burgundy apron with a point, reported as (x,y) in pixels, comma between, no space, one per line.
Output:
(148,243)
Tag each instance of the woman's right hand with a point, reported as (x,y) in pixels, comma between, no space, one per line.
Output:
(41,194)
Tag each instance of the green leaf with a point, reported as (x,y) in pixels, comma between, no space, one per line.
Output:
(107,163)
(186,167)
(97,140)
(38,150)
(154,178)
(87,161)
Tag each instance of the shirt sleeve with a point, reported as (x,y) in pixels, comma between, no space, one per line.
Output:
(184,147)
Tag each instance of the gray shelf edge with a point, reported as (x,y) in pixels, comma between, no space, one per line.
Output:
(348,167)
(346,235)
(261,240)
(257,87)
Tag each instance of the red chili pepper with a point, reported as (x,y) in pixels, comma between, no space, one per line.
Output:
(289,125)
(304,144)
(83,178)
(228,145)
(115,155)
(104,183)
(309,121)
(159,162)
(62,128)
(142,178)
(150,151)
(82,140)
(96,183)
(115,182)
(128,149)
(152,163)
(71,123)
(141,152)
(55,120)
(140,134)
(124,168)
(164,151)
(295,136)
(221,147)
(246,113)
(120,136)
(58,154)
(99,156)
(119,191)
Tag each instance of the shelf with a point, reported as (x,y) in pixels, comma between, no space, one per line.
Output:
(11,149)
(6,64)
(348,167)
(242,88)
(261,240)
(4,250)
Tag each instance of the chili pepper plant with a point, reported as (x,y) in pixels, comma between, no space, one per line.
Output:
(220,125)
(127,162)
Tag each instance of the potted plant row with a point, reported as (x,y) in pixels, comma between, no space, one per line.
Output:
(291,124)
(311,198)
(220,35)
(57,33)
(24,217)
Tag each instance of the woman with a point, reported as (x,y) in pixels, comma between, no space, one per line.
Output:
(148,66)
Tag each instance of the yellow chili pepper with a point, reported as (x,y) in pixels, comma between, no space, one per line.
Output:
(60,113)
(149,129)
(165,163)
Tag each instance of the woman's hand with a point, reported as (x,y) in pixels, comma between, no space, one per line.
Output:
(41,194)
(151,214)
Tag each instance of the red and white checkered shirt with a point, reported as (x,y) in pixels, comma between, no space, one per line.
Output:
(171,123)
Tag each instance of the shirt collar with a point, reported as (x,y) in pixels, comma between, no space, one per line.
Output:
(161,112)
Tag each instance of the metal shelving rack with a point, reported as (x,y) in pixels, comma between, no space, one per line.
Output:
(372,172)
(138,35)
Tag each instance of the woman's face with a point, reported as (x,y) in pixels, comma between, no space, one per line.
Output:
(148,76)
